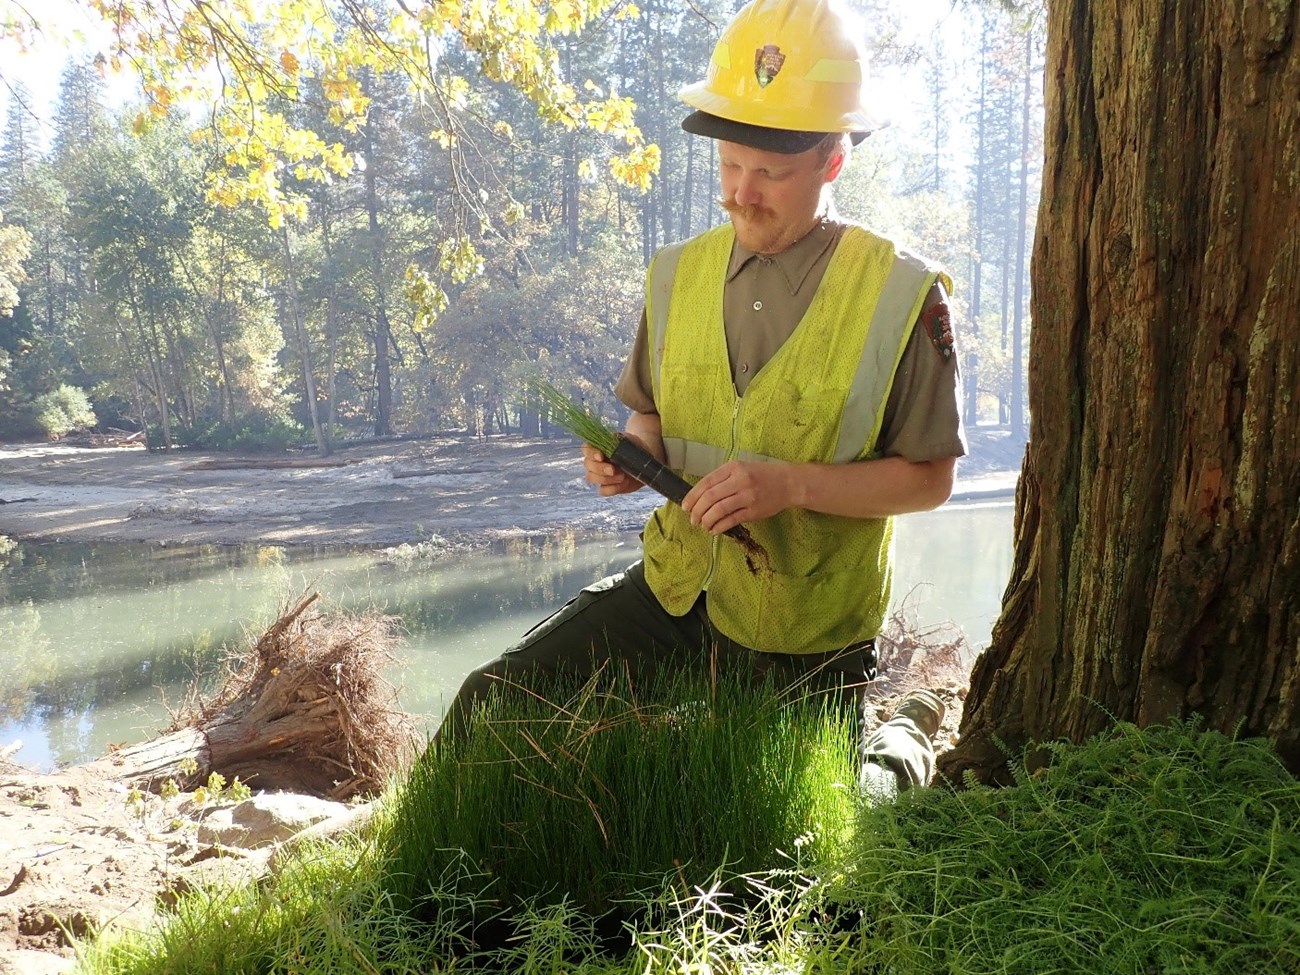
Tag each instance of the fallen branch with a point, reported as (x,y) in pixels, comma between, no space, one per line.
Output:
(240,465)
(430,472)
(305,709)
(117,438)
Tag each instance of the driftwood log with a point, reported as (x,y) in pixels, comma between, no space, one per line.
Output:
(305,709)
(117,438)
(432,472)
(259,465)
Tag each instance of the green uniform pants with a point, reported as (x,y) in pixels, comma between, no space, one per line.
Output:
(619,620)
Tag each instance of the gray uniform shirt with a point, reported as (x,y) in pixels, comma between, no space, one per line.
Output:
(763,300)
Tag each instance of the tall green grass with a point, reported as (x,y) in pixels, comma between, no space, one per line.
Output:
(1170,850)
(607,791)
(1159,851)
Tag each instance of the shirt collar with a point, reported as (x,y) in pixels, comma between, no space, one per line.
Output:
(796,260)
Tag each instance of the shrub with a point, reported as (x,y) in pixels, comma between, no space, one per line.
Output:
(252,433)
(63,410)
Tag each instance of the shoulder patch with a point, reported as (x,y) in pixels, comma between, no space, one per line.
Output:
(937,323)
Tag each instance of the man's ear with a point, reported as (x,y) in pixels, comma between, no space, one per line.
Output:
(834,165)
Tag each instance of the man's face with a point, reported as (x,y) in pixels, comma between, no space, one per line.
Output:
(773,198)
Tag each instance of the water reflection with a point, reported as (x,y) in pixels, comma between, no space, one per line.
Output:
(96,640)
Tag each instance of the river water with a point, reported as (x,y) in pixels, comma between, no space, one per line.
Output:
(97,640)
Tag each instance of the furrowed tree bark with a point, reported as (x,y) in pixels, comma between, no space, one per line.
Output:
(1157,537)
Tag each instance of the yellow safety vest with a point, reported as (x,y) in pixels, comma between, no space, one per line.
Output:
(826,580)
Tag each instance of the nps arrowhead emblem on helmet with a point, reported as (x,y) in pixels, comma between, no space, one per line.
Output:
(767,63)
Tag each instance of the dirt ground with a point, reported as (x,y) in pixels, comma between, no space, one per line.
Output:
(76,854)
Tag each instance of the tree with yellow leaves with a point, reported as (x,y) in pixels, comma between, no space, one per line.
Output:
(15,247)
(244,63)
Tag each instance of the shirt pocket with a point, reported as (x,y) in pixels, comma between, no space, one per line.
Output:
(800,424)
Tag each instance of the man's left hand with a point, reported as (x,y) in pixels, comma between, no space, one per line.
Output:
(737,492)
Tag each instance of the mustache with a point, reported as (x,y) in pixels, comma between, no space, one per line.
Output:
(749,211)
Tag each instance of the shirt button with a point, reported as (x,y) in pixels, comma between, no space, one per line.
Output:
(744,367)
(758,306)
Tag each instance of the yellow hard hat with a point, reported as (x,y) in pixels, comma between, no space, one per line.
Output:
(793,69)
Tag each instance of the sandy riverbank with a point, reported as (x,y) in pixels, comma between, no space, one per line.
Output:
(465,490)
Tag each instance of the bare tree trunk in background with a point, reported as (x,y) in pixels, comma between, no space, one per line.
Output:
(331,331)
(153,357)
(970,373)
(1157,543)
(684,232)
(383,334)
(713,182)
(1022,230)
(304,346)
(571,194)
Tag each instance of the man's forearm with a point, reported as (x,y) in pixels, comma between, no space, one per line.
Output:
(872,488)
(741,491)
(646,428)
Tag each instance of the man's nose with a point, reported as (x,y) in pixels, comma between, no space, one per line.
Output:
(747,193)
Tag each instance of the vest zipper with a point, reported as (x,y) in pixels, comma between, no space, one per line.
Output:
(732,451)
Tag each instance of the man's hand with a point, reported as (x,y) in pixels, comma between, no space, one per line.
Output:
(748,491)
(609,478)
(642,428)
(739,491)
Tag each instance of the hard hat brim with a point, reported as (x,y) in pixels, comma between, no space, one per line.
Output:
(756,136)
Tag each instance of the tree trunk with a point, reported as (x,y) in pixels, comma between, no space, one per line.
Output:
(383,333)
(714,180)
(304,346)
(684,232)
(1022,229)
(970,375)
(153,357)
(331,319)
(1157,555)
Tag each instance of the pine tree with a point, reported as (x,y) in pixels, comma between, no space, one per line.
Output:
(18,148)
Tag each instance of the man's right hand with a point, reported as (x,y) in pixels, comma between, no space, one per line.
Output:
(642,428)
(609,478)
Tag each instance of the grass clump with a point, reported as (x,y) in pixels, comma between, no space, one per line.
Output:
(603,793)
(1158,851)
(324,912)
(586,426)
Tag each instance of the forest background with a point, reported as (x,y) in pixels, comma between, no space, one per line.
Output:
(421,247)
